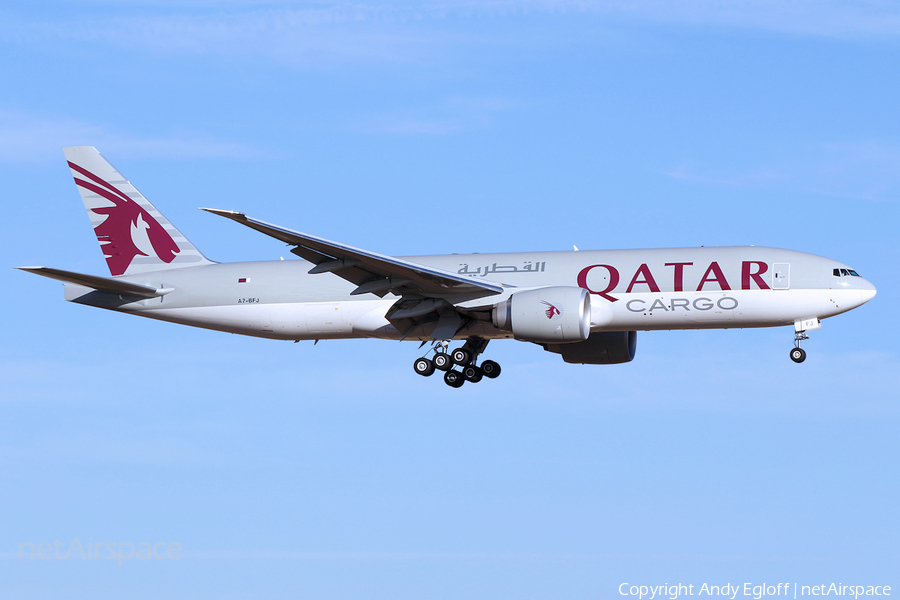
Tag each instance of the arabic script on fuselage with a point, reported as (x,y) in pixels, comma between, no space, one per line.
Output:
(483,271)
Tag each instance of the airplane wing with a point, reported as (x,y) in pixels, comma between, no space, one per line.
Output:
(103,284)
(372,273)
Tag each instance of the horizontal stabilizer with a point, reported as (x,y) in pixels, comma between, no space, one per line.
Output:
(103,284)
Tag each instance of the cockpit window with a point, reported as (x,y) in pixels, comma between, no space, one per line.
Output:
(854,273)
(845,273)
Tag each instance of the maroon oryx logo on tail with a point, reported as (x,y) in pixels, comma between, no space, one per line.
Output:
(128,229)
(551,310)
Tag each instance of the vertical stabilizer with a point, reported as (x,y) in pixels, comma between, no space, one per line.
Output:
(133,235)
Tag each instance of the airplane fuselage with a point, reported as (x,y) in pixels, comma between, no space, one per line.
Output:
(645,289)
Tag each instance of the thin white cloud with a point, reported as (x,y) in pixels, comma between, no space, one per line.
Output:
(310,36)
(328,32)
(449,116)
(825,18)
(28,138)
(411,126)
(760,178)
(867,170)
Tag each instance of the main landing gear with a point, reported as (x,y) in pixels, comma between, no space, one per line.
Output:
(465,357)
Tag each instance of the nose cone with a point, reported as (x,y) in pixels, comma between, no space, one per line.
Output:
(867,291)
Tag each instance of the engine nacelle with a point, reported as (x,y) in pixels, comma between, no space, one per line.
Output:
(601,348)
(555,315)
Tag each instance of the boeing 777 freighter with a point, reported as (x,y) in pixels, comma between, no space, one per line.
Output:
(583,305)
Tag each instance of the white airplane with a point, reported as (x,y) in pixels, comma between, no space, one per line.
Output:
(584,305)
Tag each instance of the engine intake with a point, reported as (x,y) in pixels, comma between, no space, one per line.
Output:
(554,315)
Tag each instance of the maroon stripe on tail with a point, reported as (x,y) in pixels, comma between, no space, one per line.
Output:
(99,180)
(115,232)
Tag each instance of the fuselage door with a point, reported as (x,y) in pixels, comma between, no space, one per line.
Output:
(781,276)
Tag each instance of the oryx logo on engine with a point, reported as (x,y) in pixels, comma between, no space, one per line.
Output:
(551,310)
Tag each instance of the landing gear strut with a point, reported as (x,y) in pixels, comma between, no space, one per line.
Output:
(798,354)
(466,357)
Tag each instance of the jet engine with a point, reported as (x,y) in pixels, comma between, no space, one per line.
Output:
(555,315)
(601,348)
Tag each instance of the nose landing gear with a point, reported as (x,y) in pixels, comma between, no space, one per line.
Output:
(798,354)
(465,356)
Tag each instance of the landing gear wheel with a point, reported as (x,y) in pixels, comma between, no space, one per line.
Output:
(461,356)
(490,369)
(442,361)
(473,373)
(454,379)
(798,355)
(423,367)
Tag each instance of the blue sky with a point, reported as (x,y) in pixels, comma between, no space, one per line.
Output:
(293,471)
